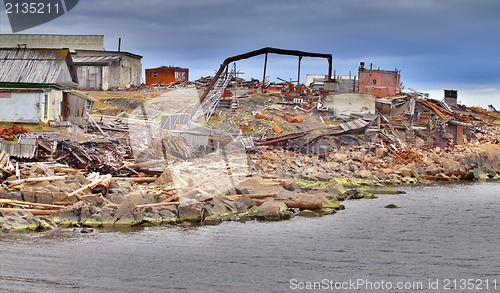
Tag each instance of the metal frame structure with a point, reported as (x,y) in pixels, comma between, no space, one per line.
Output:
(265,51)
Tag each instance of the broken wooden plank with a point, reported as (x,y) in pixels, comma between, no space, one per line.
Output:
(27,203)
(160,204)
(35,212)
(253,196)
(94,181)
(138,179)
(35,179)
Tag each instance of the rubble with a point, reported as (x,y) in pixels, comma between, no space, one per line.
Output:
(10,133)
(280,153)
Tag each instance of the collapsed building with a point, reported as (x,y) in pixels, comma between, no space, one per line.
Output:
(256,115)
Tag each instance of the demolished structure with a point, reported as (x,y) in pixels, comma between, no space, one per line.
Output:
(242,150)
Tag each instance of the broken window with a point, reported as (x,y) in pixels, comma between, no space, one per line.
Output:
(374,81)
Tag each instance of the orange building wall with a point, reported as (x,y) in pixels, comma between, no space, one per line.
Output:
(166,75)
(380,83)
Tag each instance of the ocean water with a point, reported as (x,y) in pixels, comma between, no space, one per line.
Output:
(441,238)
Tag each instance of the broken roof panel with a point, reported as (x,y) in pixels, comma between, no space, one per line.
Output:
(96,60)
(354,124)
(81,95)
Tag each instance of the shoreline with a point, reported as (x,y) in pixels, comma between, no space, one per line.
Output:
(267,195)
(271,162)
(23,221)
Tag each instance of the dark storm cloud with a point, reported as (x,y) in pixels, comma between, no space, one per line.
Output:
(429,40)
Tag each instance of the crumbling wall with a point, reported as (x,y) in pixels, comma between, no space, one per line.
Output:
(346,104)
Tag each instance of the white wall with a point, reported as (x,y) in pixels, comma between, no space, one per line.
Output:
(350,103)
(20,107)
(30,106)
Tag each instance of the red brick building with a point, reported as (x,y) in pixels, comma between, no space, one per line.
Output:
(381,83)
(166,75)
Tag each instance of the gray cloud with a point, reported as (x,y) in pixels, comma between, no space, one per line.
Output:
(429,40)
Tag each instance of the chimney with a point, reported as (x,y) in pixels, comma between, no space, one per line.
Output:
(119,44)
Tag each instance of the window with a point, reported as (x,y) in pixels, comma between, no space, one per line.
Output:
(46,107)
(374,81)
(155,74)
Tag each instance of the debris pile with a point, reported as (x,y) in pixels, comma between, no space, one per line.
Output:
(287,151)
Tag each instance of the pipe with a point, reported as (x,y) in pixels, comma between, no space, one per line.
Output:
(264,75)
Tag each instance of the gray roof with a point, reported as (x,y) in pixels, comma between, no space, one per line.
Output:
(36,66)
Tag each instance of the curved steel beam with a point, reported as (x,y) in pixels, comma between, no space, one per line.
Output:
(265,50)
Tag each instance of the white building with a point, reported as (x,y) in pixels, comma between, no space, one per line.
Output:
(37,85)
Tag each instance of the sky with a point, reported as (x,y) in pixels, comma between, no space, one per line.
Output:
(436,44)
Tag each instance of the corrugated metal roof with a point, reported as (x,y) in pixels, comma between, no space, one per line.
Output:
(95,59)
(39,66)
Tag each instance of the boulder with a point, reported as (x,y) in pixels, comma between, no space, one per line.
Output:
(333,204)
(139,197)
(451,167)
(309,199)
(307,213)
(469,175)
(24,221)
(255,185)
(168,214)
(387,171)
(14,194)
(493,155)
(433,169)
(272,211)
(365,174)
(339,157)
(405,172)
(220,207)
(212,220)
(245,202)
(479,174)
(94,199)
(290,185)
(189,213)
(126,215)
